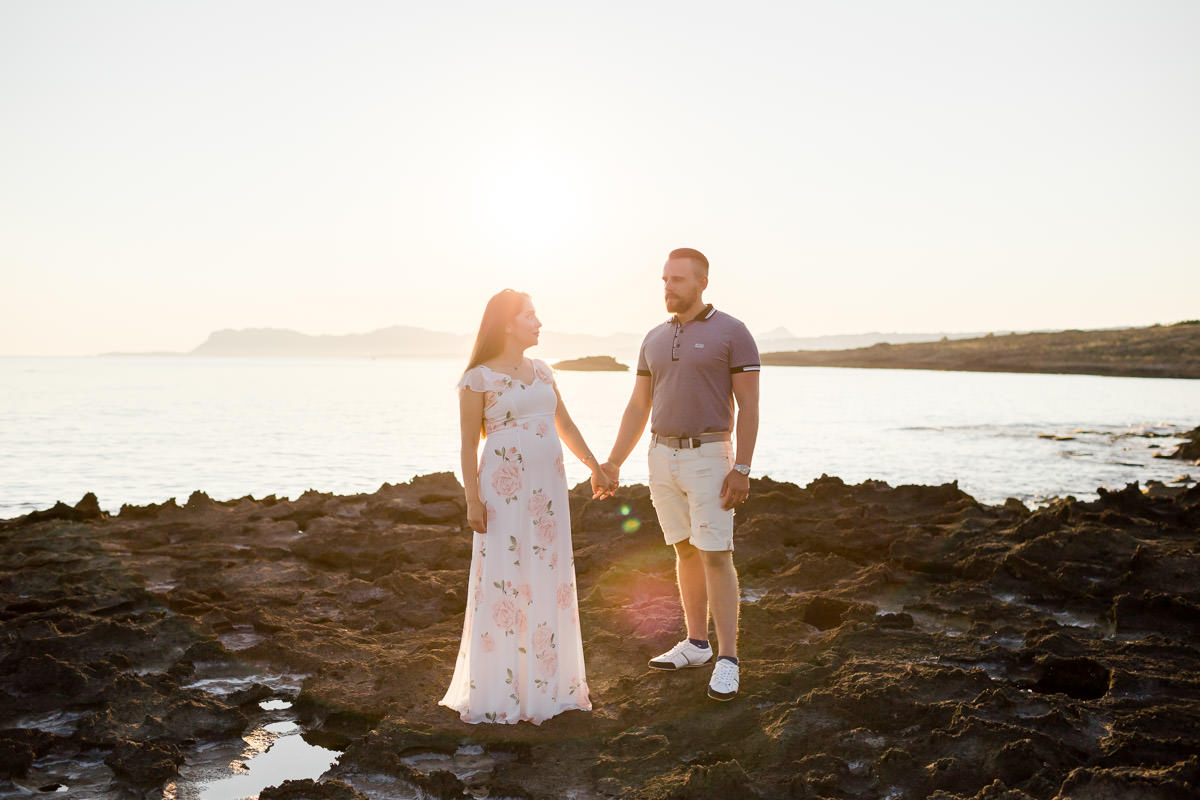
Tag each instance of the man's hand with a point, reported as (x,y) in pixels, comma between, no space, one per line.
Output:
(735,489)
(602,484)
(477,517)
(612,474)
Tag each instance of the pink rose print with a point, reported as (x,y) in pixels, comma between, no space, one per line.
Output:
(542,428)
(512,451)
(524,591)
(547,665)
(504,613)
(522,621)
(553,560)
(491,512)
(566,596)
(490,400)
(558,465)
(489,644)
(507,481)
(541,640)
(547,530)
(498,382)
(541,371)
(539,503)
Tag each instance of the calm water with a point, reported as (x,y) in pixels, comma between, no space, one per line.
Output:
(143,429)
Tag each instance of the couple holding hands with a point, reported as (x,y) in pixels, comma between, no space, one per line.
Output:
(521,656)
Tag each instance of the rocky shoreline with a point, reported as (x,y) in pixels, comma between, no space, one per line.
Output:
(897,642)
(1158,351)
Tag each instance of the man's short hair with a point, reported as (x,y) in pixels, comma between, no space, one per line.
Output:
(695,255)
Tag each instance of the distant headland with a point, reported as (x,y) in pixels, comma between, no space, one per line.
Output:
(1159,351)
(592,364)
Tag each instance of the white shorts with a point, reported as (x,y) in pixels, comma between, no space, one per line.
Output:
(685,487)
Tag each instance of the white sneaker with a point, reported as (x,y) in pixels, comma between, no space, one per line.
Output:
(683,655)
(723,685)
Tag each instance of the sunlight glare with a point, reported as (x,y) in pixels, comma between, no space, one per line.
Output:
(529,201)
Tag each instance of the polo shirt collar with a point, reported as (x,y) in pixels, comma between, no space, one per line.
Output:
(705,314)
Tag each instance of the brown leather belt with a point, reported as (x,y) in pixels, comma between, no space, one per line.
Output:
(687,442)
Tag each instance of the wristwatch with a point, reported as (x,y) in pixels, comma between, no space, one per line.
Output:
(743,468)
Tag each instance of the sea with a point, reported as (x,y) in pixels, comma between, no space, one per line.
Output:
(143,429)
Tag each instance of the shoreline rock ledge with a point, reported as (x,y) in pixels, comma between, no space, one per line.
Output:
(896,641)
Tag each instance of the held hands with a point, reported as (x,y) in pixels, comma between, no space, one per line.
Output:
(605,480)
(735,489)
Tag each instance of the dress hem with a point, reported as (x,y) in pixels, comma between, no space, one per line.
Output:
(533,720)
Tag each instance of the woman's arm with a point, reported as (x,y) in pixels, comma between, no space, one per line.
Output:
(569,433)
(470,412)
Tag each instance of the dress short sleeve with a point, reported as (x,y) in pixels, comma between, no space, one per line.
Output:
(473,379)
(542,370)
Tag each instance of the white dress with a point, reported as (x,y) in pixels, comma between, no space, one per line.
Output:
(521,656)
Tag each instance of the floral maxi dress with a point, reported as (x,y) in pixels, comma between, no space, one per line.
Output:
(521,656)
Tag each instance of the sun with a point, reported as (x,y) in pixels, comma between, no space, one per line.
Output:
(530,200)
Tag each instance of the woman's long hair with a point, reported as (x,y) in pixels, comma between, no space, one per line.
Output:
(502,309)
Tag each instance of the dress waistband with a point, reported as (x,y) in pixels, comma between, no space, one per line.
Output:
(526,422)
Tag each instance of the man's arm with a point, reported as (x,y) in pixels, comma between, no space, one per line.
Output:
(745,391)
(633,422)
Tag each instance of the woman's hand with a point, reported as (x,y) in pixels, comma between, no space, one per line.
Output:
(477,516)
(604,484)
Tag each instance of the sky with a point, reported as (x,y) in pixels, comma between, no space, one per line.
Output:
(172,169)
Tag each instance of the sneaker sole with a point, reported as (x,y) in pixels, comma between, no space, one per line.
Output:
(722,697)
(666,666)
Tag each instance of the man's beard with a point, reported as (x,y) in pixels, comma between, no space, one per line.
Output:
(679,303)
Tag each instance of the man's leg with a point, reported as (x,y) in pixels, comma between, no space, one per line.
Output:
(721,582)
(671,506)
(691,574)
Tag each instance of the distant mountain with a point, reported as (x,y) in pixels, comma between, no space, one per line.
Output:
(399,341)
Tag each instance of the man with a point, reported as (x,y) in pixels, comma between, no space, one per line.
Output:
(690,371)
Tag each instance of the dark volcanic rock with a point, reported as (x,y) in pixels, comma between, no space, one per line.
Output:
(1189,450)
(144,765)
(311,790)
(88,508)
(902,641)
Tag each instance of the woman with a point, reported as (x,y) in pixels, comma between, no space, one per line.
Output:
(521,656)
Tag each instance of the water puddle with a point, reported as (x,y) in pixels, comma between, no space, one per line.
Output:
(1065,618)
(82,775)
(752,595)
(61,723)
(471,764)
(273,752)
(241,637)
(943,621)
